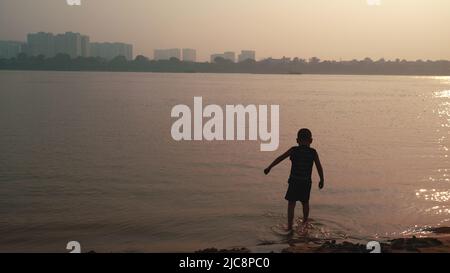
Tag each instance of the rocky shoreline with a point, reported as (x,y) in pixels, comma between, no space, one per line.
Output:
(437,241)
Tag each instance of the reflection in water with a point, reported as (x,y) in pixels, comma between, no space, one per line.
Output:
(441,176)
(442,94)
(442,79)
(438,198)
(434,195)
(93,160)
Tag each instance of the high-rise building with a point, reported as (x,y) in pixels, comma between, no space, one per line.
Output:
(215,56)
(68,43)
(47,44)
(109,51)
(41,43)
(10,49)
(160,54)
(247,55)
(75,45)
(230,55)
(85,46)
(189,55)
(167,54)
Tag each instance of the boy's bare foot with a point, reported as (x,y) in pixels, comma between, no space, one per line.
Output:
(303,229)
(302,232)
(287,229)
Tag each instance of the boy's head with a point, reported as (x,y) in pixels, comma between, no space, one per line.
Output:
(304,136)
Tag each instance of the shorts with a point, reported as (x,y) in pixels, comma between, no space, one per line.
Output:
(298,190)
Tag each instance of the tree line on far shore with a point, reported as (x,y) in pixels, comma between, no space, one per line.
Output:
(63,62)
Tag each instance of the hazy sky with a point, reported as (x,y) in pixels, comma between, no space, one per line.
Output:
(329,29)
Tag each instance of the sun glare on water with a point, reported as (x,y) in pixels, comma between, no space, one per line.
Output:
(442,94)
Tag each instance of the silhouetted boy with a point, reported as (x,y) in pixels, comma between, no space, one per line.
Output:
(302,158)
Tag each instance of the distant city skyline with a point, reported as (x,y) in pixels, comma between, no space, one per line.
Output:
(109,50)
(71,43)
(327,29)
(231,56)
(76,45)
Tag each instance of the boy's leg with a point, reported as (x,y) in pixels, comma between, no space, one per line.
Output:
(291,210)
(305,211)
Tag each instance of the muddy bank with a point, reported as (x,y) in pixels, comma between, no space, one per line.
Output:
(437,241)
(400,245)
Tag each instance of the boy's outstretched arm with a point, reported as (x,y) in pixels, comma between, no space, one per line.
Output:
(278,161)
(319,170)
